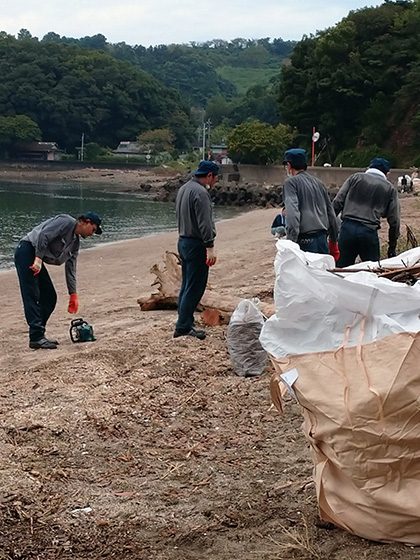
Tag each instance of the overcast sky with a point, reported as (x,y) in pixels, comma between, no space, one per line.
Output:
(155,22)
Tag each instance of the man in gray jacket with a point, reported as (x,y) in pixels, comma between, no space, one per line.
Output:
(194,213)
(310,217)
(363,200)
(55,241)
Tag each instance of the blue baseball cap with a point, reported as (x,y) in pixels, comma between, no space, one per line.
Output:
(95,219)
(294,156)
(205,167)
(380,163)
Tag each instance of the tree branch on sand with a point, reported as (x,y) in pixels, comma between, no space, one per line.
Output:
(216,307)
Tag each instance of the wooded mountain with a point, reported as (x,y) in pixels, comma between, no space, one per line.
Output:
(358,84)
(199,71)
(68,91)
(117,92)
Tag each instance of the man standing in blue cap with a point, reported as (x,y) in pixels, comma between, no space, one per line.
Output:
(363,200)
(194,213)
(53,242)
(310,215)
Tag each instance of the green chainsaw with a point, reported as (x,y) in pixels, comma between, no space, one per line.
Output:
(81,331)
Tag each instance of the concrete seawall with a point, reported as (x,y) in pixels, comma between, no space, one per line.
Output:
(241,185)
(332,177)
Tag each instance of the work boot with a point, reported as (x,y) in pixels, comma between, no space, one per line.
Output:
(196,333)
(43,343)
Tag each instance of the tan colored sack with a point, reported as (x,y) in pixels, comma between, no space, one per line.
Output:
(361,409)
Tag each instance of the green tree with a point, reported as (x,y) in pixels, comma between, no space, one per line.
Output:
(93,151)
(258,143)
(220,133)
(15,129)
(347,77)
(159,140)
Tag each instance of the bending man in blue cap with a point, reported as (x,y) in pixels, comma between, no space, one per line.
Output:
(363,200)
(55,241)
(310,215)
(194,213)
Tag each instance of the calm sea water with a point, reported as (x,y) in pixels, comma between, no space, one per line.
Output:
(124,215)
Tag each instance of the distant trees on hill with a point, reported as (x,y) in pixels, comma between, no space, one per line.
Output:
(107,92)
(357,83)
(68,91)
(198,70)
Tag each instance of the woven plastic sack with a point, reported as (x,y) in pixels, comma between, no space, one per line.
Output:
(361,410)
(248,357)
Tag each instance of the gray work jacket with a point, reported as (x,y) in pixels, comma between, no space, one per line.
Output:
(56,243)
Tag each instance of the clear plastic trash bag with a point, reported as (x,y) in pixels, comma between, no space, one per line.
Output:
(248,356)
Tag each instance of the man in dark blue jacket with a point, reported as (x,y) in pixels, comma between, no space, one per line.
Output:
(194,212)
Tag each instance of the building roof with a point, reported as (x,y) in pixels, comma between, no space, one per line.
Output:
(134,148)
(37,147)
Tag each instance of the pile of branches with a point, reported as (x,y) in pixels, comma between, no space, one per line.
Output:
(408,275)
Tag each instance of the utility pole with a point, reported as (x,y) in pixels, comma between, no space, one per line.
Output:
(204,138)
(208,134)
(82,147)
(206,128)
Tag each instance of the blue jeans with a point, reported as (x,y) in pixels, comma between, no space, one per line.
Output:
(195,273)
(356,239)
(314,243)
(38,293)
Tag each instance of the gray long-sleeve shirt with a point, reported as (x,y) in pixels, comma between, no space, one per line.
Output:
(194,212)
(56,243)
(308,207)
(367,197)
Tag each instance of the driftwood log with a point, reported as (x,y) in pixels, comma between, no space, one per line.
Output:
(216,307)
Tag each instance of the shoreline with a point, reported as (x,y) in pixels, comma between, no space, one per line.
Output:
(120,178)
(113,275)
(99,244)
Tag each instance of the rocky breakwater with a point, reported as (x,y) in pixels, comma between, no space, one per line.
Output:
(231,193)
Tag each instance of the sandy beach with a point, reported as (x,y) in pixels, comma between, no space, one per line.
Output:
(143,446)
(111,278)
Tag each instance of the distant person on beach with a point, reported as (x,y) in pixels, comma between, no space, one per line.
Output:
(194,213)
(310,215)
(363,200)
(405,183)
(278,227)
(54,242)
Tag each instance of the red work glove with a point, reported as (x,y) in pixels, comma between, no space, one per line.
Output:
(36,266)
(334,250)
(73,304)
(211,256)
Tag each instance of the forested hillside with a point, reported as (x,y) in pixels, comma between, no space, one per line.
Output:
(113,92)
(199,70)
(358,84)
(68,91)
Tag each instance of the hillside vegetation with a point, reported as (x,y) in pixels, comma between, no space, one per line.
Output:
(68,91)
(358,84)
(113,92)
